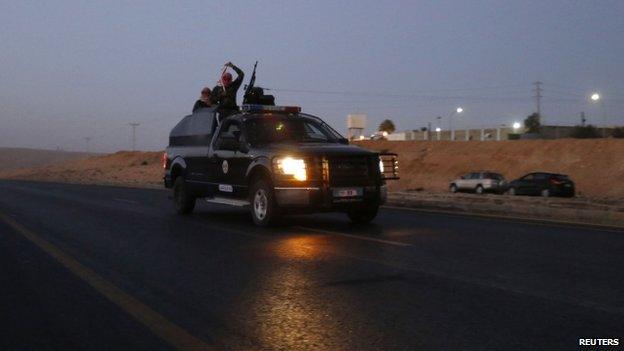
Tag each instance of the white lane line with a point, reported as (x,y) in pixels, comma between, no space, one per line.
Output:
(352,236)
(126,201)
(173,334)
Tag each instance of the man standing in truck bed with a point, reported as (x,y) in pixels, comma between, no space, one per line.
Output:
(224,94)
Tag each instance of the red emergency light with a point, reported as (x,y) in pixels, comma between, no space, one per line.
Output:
(266,108)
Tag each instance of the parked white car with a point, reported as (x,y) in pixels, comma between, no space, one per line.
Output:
(479,182)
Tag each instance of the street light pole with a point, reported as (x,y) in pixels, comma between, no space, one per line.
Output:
(458,111)
(439,127)
(597,98)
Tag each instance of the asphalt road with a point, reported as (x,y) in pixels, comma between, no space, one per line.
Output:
(103,268)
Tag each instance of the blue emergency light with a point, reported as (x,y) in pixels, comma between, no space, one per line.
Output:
(266,108)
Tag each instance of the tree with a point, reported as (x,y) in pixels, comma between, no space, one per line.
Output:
(387,126)
(585,132)
(532,123)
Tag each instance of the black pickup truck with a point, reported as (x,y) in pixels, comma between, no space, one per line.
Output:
(276,160)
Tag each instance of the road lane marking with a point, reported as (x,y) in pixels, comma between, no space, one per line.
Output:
(352,236)
(170,332)
(512,219)
(126,201)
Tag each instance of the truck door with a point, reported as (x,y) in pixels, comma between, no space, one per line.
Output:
(229,166)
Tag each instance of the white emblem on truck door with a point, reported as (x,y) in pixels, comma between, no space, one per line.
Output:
(225,166)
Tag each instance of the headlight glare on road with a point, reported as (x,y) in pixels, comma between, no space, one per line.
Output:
(294,167)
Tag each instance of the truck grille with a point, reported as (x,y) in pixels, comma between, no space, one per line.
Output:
(349,171)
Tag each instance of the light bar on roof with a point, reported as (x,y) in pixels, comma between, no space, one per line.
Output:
(267,108)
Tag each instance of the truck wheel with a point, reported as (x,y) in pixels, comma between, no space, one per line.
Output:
(363,214)
(453,188)
(263,204)
(183,201)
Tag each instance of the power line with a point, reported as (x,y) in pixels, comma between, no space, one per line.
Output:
(377,94)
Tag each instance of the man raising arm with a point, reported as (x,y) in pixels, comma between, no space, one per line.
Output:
(225,93)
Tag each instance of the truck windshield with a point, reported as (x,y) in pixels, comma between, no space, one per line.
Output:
(280,129)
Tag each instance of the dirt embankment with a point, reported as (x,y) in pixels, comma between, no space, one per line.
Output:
(126,168)
(597,165)
(15,158)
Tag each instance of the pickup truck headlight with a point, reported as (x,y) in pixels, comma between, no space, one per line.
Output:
(294,167)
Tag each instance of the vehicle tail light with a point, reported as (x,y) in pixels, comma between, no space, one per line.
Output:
(164,160)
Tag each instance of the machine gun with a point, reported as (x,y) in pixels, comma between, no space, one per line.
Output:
(255,95)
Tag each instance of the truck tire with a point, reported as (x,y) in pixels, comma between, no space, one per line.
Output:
(183,201)
(479,190)
(263,204)
(363,214)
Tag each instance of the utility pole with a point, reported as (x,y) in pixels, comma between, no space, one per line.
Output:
(428,131)
(87,139)
(538,99)
(134,125)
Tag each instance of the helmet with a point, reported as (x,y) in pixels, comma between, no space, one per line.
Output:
(226,78)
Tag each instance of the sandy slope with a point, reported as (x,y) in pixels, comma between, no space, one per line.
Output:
(14,158)
(125,168)
(597,166)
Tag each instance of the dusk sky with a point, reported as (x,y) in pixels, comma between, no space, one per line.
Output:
(70,70)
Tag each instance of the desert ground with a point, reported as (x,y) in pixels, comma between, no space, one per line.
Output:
(14,158)
(597,166)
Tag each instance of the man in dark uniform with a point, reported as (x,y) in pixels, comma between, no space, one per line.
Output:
(225,94)
(204,100)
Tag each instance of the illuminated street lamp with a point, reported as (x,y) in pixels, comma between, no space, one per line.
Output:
(595,97)
(516,126)
(438,130)
(456,111)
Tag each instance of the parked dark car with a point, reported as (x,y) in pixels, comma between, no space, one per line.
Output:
(544,184)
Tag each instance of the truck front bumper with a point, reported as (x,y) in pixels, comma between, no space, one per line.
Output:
(318,198)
